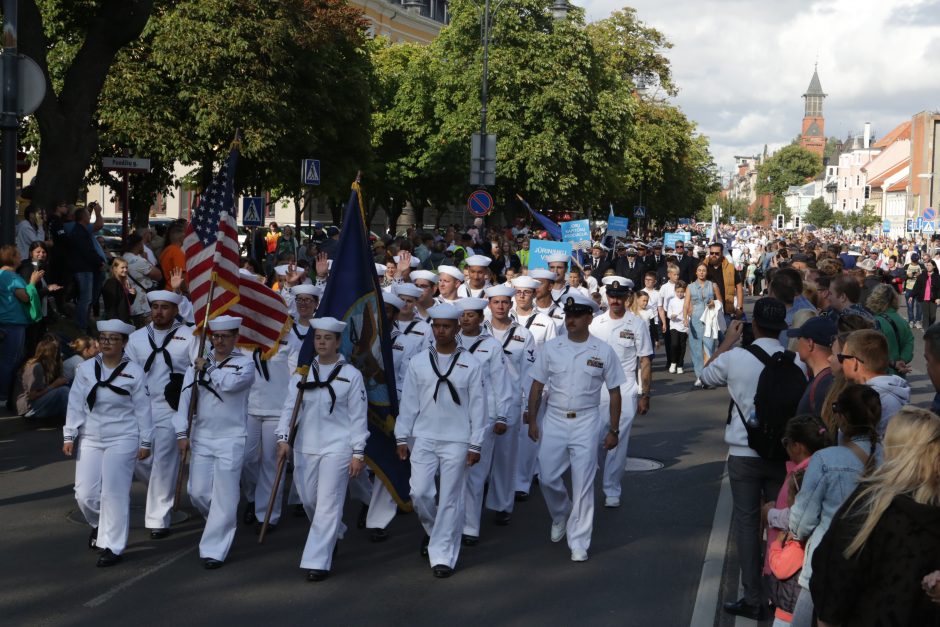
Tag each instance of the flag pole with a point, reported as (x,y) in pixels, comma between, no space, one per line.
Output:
(281,462)
(193,397)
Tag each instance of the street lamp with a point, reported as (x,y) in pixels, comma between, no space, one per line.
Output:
(560,10)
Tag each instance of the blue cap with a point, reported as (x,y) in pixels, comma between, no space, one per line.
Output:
(821,329)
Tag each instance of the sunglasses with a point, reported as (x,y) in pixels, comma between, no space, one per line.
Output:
(714,254)
(842,357)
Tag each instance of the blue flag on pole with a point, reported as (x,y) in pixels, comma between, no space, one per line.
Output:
(353,295)
(554,231)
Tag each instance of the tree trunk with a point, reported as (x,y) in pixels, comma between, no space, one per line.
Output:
(68,138)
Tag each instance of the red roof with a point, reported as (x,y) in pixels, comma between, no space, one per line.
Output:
(899,132)
(899,186)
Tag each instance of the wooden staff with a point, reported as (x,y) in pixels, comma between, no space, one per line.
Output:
(280,464)
(193,398)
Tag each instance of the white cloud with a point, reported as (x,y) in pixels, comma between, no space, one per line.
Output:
(742,66)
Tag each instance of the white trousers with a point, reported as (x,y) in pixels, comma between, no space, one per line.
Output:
(501,496)
(570,442)
(528,454)
(261,455)
(360,488)
(214,472)
(614,461)
(476,479)
(442,520)
(322,484)
(103,475)
(382,507)
(161,470)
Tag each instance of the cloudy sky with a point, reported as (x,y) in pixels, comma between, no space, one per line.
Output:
(743,65)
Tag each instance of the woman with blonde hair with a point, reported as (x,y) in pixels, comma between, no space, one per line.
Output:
(875,565)
(83,347)
(43,391)
(883,302)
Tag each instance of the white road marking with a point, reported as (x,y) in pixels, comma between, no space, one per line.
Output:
(104,598)
(709,585)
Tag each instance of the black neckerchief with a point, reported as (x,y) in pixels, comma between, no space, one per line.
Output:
(509,333)
(443,378)
(156,350)
(108,383)
(200,379)
(411,325)
(557,301)
(317,383)
(297,332)
(261,365)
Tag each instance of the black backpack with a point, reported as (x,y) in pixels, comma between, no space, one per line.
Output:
(779,389)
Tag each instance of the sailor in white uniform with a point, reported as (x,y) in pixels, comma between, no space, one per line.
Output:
(629,336)
(558,266)
(411,325)
(443,408)
(478,270)
(449,280)
(426,281)
(108,426)
(222,382)
(545,302)
(329,442)
(165,348)
(573,369)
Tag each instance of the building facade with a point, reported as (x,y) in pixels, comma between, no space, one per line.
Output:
(925,163)
(813,134)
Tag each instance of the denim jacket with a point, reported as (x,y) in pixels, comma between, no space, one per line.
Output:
(830,478)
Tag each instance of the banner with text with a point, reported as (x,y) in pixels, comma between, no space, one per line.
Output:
(577,233)
(539,249)
(670,239)
(617,226)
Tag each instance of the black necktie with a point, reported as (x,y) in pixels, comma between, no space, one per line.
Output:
(206,383)
(261,365)
(155,350)
(442,378)
(93,394)
(316,383)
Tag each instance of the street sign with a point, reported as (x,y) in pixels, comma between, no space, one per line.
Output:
(930,213)
(928,227)
(577,233)
(31,90)
(733,219)
(310,172)
(22,162)
(483,159)
(909,225)
(480,203)
(886,226)
(253,211)
(639,212)
(126,164)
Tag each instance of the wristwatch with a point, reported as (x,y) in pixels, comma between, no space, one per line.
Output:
(616,432)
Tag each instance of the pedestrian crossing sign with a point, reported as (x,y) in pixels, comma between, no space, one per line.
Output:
(310,172)
(252,211)
(928,227)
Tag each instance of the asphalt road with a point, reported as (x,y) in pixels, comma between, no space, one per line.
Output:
(645,567)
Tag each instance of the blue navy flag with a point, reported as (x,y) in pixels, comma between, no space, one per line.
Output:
(554,231)
(353,295)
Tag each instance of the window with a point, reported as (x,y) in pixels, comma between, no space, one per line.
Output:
(856,204)
(843,204)
(858,180)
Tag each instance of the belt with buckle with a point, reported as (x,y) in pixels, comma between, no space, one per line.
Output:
(571,414)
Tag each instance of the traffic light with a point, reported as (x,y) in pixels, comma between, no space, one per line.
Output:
(779,221)
(796,222)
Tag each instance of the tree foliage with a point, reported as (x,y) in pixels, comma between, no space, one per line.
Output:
(791,165)
(819,213)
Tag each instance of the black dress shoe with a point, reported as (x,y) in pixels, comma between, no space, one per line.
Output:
(271,528)
(361,521)
(521,497)
(159,534)
(317,575)
(424,545)
(469,540)
(502,519)
(299,511)
(745,609)
(93,539)
(441,571)
(378,535)
(107,558)
(248,517)
(211,564)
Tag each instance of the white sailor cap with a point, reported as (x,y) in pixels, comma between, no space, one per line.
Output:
(408,289)
(471,304)
(414,263)
(282,270)
(391,299)
(115,325)
(328,324)
(380,269)
(617,285)
(164,295)
(478,260)
(526,282)
(424,275)
(452,271)
(557,258)
(225,323)
(543,274)
(576,302)
(444,311)
(500,290)
(308,290)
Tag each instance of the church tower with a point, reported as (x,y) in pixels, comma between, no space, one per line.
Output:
(813,137)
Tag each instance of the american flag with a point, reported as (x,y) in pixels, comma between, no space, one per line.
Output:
(265,319)
(211,246)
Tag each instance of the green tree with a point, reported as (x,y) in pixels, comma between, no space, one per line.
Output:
(819,213)
(791,165)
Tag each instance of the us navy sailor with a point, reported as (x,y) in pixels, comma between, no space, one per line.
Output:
(330,441)
(109,417)
(573,369)
(478,271)
(223,381)
(443,408)
(164,349)
(629,336)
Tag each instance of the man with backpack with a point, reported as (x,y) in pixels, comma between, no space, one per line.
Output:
(765,383)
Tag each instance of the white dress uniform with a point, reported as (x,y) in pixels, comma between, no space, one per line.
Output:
(109,415)
(630,338)
(465,291)
(573,374)
(499,404)
(295,340)
(265,401)
(218,445)
(443,408)
(556,314)
(519,349)
(161,354)
(332,427)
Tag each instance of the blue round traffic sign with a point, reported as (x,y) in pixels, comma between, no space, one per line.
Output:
(480,203)
(930,213)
